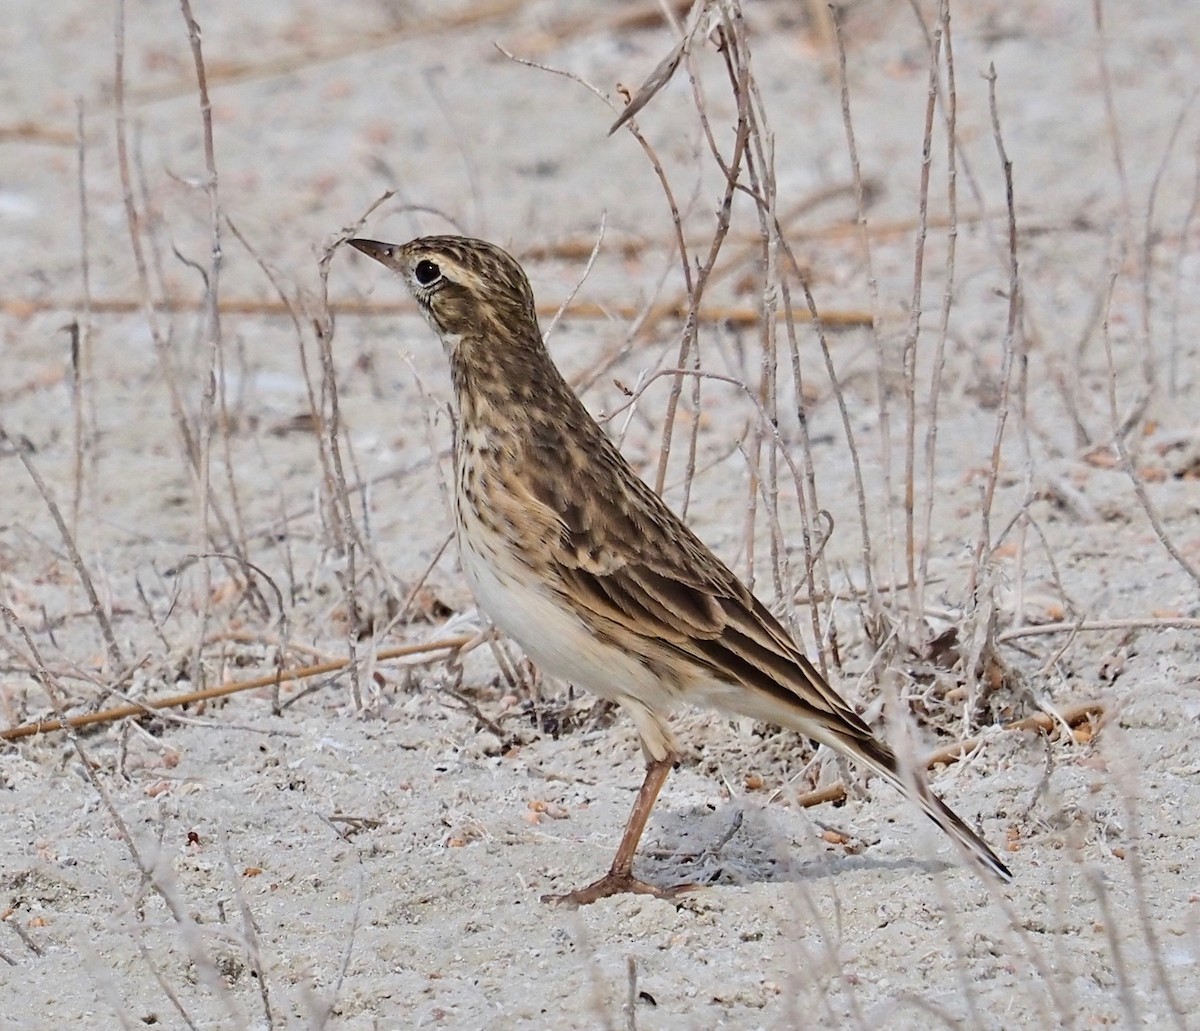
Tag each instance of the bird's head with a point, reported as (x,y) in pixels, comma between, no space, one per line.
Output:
(466,289)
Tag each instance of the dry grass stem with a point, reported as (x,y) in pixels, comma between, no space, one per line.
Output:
(709,314)
(22,449)
(142,708)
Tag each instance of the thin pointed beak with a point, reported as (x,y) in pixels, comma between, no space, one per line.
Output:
(384,253)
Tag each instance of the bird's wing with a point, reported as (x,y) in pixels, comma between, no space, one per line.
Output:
(633,563)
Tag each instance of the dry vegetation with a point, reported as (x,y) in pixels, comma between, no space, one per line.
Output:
(914,477)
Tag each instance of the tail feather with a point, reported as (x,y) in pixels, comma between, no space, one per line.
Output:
(882,760)
(756,670)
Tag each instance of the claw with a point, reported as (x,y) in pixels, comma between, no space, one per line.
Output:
(613,883)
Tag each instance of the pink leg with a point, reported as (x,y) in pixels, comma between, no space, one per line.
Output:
(620,880)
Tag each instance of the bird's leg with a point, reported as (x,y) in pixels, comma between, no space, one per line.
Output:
(620,880)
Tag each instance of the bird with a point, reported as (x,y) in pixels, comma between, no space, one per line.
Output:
(569,552)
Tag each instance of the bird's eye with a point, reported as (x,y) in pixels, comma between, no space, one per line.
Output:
(427,272)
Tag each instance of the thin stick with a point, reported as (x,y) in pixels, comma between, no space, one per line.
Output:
(976,603)
(1177,281)
(1119,440)
(324,326)
(864,242)
(913,332)
(860,491)
(289,308)
(950,113)
(348,951)
(146,304)
(81,329)
(22,449)
(1146,342)
(1112,122)
(411,597)
(815,567)
(1099,625)
(760,170)
(1111,924)
(587,271)
(211,321)
(250,930)
(735,314)
(220,691)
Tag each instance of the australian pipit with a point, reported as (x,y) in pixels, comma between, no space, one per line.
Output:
(570,553)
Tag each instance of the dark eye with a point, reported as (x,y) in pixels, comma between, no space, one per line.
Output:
(426,272)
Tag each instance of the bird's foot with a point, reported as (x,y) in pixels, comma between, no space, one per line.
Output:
(617,883)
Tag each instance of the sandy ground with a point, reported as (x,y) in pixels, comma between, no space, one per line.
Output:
(377,862)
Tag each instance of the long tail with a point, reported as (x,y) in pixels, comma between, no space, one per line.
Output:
(882,760)
(759,671)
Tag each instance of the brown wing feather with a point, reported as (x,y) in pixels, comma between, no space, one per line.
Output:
(633,563)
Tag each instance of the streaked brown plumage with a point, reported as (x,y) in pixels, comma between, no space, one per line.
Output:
(569,551)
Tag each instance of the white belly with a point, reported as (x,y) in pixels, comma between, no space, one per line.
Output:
(534,615)
(553,636)
(550,634)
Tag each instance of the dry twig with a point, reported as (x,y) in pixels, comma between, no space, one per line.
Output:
(142,708)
